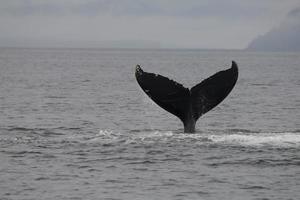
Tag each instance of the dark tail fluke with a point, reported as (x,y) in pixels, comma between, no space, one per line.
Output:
(188,105)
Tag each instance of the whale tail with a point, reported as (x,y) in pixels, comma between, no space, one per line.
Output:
(188,104)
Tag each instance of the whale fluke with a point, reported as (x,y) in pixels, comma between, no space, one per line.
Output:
(188,104)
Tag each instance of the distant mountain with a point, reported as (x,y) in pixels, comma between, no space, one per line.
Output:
(285,37)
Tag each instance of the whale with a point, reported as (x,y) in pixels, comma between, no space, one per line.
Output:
(188,104)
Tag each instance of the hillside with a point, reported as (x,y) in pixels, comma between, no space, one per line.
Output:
(285,37)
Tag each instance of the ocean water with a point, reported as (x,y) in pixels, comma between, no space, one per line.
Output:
(74,124)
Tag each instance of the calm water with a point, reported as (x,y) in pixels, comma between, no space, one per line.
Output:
(74,124)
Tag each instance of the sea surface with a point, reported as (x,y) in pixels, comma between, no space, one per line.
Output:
(74,124)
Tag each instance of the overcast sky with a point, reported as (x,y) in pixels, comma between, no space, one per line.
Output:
(226,24)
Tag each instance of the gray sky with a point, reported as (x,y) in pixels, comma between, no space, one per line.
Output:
(170,23)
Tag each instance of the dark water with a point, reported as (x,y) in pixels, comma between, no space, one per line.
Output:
(74,124)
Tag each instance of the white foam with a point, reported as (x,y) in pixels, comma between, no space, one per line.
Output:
(150,137)
(157,134)
(107,135)
(258,139)
(284,139)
